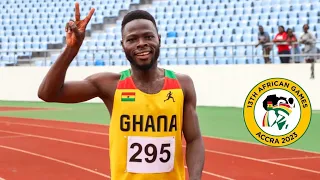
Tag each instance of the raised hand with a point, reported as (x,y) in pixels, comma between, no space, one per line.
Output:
(76,29)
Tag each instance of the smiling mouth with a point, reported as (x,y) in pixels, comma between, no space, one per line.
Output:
(143,53)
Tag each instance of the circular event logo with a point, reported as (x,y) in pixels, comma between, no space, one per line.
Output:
(277,112)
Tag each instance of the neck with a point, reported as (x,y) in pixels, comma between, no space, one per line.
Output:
(149,75)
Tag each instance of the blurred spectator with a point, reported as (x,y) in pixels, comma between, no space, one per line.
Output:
(283,49)
(309,42)
(263,38)
(293,45)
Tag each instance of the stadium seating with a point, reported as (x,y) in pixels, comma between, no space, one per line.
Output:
(193,31)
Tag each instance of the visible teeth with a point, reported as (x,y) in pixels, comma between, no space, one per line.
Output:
(142,54)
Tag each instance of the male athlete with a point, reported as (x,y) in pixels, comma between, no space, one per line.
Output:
(145,136)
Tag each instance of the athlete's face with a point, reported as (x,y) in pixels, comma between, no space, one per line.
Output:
(141,43)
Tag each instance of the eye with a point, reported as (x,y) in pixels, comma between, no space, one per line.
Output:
(149,37)
(130,40)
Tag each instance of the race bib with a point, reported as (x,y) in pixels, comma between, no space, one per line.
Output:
(150,154)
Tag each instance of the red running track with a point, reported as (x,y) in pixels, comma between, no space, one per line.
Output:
(77,150)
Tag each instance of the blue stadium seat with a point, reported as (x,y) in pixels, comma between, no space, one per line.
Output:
(179,22)
(241,61)
(82,63)
(181,53)
(221,61)
(172,34)
(172,53)
(207,39)
(99,63)
(202,61)
(174,61)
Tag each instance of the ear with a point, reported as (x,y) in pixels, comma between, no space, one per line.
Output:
(121,41)
(159,36)
(122,45)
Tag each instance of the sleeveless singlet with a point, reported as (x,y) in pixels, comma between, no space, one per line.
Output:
(145,133)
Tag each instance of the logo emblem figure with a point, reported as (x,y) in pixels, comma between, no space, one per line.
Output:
(281,107)
(169,96)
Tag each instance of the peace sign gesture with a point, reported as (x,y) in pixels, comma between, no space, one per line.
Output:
(76,29)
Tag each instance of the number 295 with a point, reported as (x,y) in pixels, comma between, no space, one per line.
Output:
(152,153)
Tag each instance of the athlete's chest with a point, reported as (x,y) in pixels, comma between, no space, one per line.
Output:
(155,111)
(151,87)
(137,102)
(139,112)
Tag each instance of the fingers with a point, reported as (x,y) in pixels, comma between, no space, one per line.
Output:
(77,13)
(71,27)
(74,28)
(88,18)
(68,27)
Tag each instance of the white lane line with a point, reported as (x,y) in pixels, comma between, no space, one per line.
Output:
(51,127)
(210,151)
(101,133)
(9,137)
(81,144)
(213,174)
(294,158)
(55,139)
(258,144)
(265,161)
(57,160)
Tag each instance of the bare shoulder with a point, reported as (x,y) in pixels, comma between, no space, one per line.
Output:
(186,83)
(106,82)
(103,77)
(184,79)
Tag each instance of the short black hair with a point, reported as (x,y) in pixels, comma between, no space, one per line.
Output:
(137,14)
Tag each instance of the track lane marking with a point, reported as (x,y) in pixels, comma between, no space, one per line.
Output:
(293,158)
(265,161)
(53,159)
(52,127)
(9,137)
(92,132)
(213,174)
(257,144)
(211,151)
(55,139)
(88,145)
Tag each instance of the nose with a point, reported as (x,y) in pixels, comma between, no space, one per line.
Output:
(142,43)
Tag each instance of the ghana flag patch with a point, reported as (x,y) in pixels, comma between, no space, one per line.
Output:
(128,96)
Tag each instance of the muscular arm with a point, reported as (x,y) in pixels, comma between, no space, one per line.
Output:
(54,88)
(195,146)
